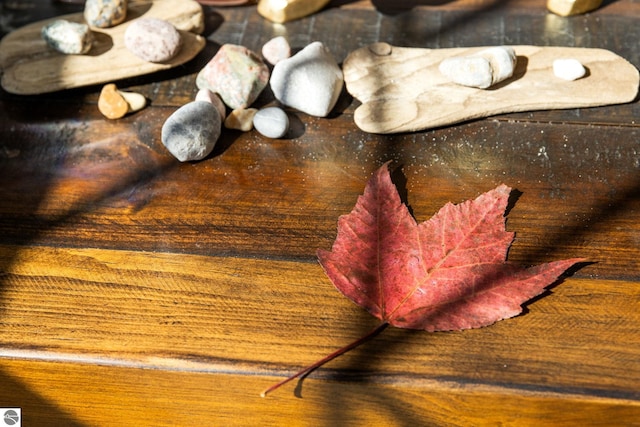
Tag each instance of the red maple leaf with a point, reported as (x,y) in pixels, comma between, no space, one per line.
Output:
(447,273)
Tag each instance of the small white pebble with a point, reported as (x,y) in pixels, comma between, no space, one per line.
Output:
(276,49)
(568,69)
(271,122)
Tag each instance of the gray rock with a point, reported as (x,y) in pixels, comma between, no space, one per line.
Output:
(310,81)
(70,38)
(152,39)
(271,122)
(192,131)
(105,13)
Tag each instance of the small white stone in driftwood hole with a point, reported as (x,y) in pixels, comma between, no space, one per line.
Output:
(568,69)
(483,69)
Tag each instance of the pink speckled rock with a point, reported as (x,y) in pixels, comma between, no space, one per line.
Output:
(152,40)
(235,73)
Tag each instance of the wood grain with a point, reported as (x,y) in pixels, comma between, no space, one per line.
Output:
(64,391)
(135,287)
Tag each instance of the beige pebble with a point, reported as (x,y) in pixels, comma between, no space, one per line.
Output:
(136,101)
(572,7)
(241,119)
(111,103)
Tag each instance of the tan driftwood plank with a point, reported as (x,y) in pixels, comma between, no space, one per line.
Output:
(402,90)
(31,67)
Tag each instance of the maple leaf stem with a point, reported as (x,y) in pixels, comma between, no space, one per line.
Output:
(306,371)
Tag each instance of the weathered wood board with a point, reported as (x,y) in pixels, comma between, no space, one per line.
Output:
(402,89)
(31,67)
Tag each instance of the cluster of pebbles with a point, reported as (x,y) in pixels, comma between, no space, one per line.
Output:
(309,81)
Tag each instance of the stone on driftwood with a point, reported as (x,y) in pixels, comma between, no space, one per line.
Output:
(568,69)
(483,69)
(71,38)
(152,39)
(105,13)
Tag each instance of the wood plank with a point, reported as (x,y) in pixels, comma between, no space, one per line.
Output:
(579,193)
(168,310)
(79,394)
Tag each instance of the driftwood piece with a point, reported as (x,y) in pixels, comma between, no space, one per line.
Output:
(31,67)
(402,90)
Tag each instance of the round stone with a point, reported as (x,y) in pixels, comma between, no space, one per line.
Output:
(152,40)
(271,122)
(192,131)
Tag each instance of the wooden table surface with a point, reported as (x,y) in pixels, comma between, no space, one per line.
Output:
(137,290)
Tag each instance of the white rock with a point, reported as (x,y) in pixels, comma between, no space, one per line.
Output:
(568,69)
(310,81)
(483,69)
(68,37)
(271,122)
(276,49)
